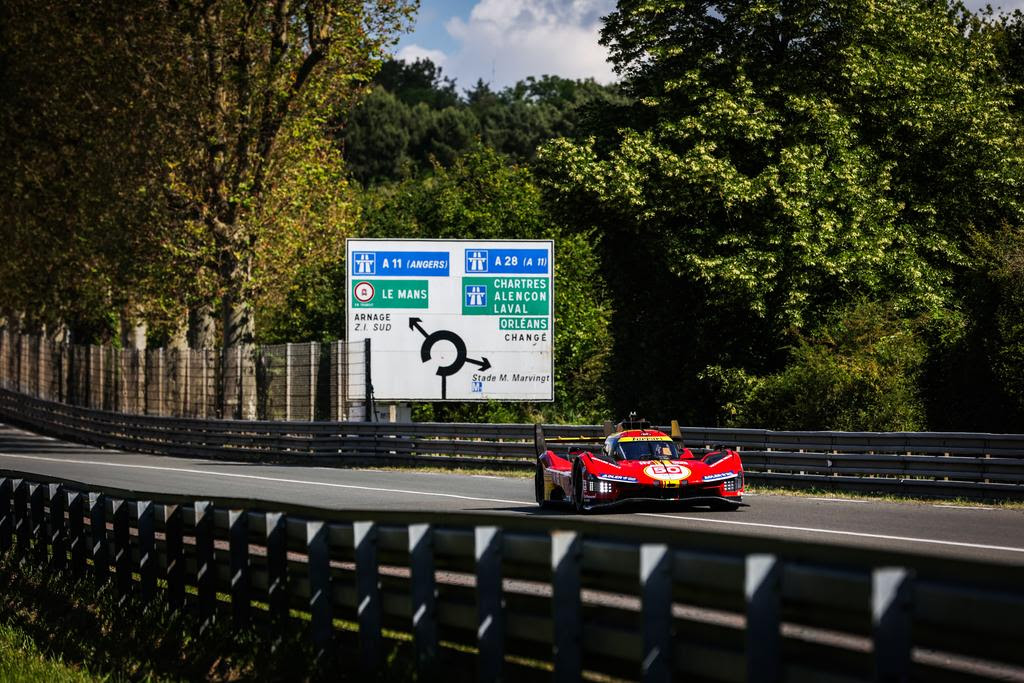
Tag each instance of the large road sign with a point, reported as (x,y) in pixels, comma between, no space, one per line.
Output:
(454,320)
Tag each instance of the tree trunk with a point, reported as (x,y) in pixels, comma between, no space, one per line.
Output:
(202,327)
(133,333)
(237,322)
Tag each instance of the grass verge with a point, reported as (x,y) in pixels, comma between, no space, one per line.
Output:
(21,660)
(56,628)
(763,490)
(53,627)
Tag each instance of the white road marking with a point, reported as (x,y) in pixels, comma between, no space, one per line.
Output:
(253,477)
(977,546)
(687,518)
(840,500)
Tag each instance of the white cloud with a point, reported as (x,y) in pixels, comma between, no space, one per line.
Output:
(503,41)
(999,5)
(410,53)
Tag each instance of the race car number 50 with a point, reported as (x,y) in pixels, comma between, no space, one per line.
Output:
(667,472)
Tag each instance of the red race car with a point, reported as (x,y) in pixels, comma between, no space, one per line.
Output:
(639,465)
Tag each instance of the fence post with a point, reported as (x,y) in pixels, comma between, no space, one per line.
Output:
(490,615)
(98,532)
(147,548)
(314,348)
(763,637)
(287,382)
(161,387)
(277,566)
(6,525)
(58,531)
(424,609)
(364,536)
(206,570)
(40,369)
(566,552)
(370,409)
(76,531)
(22,521)
(36,502)
(238,544)
(175,572)
(341,390)
(656,609)
(319,587)
(891,598)
(185,390)
(122,548)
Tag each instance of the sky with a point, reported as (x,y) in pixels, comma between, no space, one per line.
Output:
(503,41)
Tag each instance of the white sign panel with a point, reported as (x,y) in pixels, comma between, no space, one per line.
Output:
(454,320)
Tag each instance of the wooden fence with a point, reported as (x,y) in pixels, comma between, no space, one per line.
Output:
(306,381)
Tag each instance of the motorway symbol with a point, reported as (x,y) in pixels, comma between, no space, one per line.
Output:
(476,296)
(461,357)
(476,260)
(363,292)
(366,262)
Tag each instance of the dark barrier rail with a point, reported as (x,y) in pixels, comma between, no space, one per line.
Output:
(636,602)
(942,464)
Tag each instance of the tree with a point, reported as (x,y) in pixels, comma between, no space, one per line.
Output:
(779,161)
(206,118)
(416,82)
(414,118)
(271,75)
(83,186)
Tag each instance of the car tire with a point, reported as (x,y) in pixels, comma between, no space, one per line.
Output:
(577,489)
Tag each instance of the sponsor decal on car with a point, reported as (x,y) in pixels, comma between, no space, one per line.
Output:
(720,475)
(627,439)
(617,477)
(666,471)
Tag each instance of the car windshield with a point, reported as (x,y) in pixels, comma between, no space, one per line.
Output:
(646,450)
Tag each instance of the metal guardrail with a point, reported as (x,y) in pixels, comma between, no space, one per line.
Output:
(929,464)
(635,602)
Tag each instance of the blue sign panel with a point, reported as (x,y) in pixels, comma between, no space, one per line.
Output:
(476,296)
(401,263)
(508,261)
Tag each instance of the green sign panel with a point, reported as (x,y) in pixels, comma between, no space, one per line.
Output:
(523,324)
(506,296)
(390,294)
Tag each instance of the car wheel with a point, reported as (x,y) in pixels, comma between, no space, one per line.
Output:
(577,489)
(724,505)
(538,488)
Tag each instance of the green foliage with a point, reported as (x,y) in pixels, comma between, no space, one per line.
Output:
(175,154)
(975,375)
(786,159)
(413,119)
(858,372)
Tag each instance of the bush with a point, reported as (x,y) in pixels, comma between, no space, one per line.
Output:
(858,372)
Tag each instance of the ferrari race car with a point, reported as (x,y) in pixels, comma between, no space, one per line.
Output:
(639,465)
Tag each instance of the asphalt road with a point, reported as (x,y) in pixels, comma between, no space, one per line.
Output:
(995,535)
